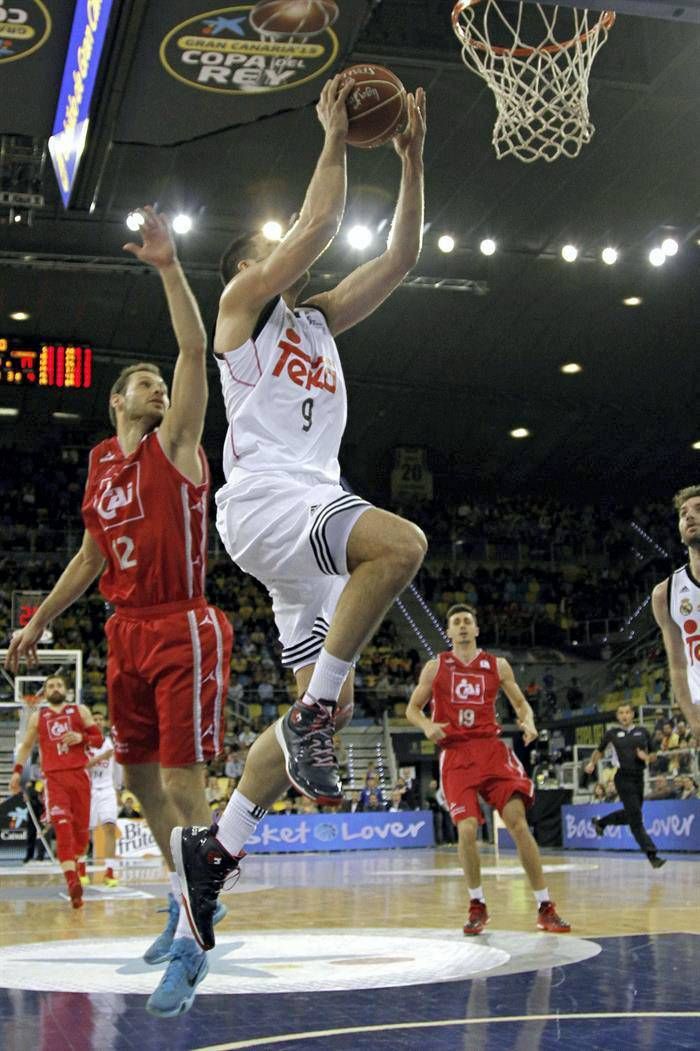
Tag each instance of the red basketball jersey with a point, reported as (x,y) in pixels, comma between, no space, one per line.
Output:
(52,726)
(150,523)
(464,697)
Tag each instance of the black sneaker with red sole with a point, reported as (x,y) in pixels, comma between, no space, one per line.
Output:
(305,735)
(204,868)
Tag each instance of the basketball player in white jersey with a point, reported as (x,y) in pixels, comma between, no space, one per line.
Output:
(332,563)
(103,803)
(676,605)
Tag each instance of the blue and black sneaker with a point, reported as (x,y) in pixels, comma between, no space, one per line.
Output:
(204,868)
(305,735)
(176,990)
(159,950)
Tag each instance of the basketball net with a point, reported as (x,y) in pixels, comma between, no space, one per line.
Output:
(540,85)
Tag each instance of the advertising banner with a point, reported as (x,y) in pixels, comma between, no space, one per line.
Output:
(14,822)
(135,839)
(673,824)
(292,833)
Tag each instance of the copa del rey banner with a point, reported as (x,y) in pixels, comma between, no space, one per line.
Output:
(673,824)
(201,68)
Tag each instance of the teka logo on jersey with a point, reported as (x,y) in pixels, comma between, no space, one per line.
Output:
(303,370)
(468,688)
(692,641)
(119,499)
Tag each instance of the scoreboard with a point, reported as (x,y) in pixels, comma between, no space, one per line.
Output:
(37,363)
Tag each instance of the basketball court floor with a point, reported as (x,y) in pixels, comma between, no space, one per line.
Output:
(364,951)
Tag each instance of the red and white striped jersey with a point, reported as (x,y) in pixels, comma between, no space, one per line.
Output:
(54,724)
(464,697)
(149,521)
(285,398)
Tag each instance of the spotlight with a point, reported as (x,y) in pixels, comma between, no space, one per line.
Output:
(609,255)
(17,217)
(695,445)
(519,432)
(359,237)
(20,315)
(571,368)
(272,231)
(66,416)
(669,246)
(135,221)
(487,246)
(633,301)
(5,410)
(182,224)
(446,243)
(657,257)
(569,253)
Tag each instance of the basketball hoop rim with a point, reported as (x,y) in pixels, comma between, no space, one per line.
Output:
(606,20)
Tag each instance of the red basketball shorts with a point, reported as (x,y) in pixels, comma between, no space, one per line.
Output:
(484,767)
(67,804)
(167,679)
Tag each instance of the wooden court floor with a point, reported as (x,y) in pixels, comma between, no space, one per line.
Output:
(365,950)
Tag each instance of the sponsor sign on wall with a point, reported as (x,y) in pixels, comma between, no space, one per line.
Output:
(290,833)
(135,839)
(673,824)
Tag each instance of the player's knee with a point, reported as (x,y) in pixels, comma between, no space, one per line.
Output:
(516,824)
(408,550)
(467,829)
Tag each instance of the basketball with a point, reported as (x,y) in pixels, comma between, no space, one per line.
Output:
(293,17)
(376,106)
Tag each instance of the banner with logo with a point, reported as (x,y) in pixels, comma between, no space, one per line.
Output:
(135,839)
(14,822)
(33,41)
(292,833)
(673,824)
(199,70)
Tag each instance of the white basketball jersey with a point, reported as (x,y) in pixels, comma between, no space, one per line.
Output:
(285,398)
(684,608)
(102,773)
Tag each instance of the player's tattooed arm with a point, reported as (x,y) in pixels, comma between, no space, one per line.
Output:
(419,698)
(523,711)
(366,288)
(675,654)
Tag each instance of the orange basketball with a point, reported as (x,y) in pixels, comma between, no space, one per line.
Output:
(293,17)
(376,106)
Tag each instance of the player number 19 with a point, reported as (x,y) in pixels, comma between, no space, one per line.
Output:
(466,716)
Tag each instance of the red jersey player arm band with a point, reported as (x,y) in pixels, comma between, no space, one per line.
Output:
(93,736)
(18,768)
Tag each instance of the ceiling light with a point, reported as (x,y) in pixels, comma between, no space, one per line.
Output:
(569,253)
(609,255)
(135,221)
(182,224)
(571,368)
(633,301)
(359,237)
(20,315)
(446,243)
(519,432)
(669,246)
(5,410)
(66,415)
(695,445)
(487,246)
(657,257)
(272,230)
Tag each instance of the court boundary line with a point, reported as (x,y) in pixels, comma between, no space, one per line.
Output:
(267,1041)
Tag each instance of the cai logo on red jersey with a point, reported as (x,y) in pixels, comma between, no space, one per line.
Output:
(118,499)
(468,688)
(58,727)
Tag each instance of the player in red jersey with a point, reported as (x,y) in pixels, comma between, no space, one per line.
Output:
(462,686)
(64,731)
(145,513)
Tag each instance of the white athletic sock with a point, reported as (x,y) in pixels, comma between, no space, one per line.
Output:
(175,888)
(477,892)
(541,896)
(328,677)
(183,929)
(238,822)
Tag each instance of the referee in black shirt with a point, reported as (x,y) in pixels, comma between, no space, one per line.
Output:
(632,745)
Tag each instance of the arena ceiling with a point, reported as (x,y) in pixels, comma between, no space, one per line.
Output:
(474,347)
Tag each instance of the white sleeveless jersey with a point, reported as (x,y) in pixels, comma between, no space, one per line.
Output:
(684,608)
(285,398)
(102,773)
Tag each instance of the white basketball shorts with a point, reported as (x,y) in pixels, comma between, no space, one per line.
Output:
(291,534)
(103,807)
